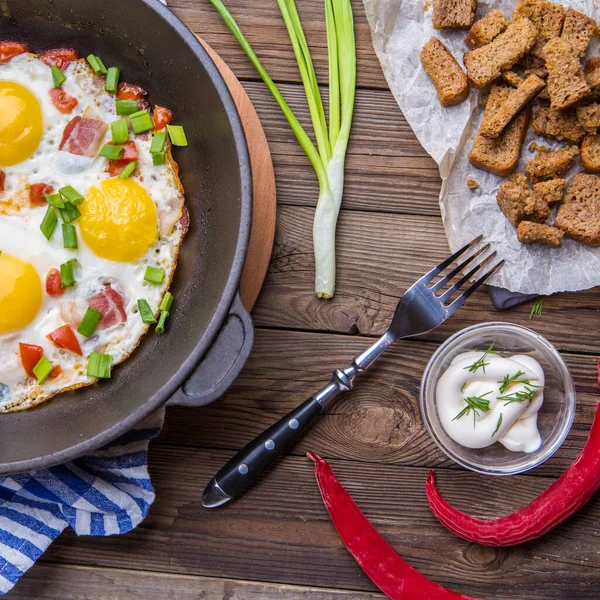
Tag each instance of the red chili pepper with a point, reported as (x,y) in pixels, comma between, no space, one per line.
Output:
(386,568)
(563,498)
(64,337)
(161,118)
(130,91)
(63,102)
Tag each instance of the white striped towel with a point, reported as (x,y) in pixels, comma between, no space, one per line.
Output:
(103,493)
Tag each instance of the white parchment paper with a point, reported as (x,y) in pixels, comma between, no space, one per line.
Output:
(399,29)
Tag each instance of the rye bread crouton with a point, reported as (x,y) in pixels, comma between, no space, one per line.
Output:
(550,191)
(591,72)
(579,215)
(546,16)
(512,78)
(486,64)
(578,30)
(517,201)
(447,75)
(454,14)
(493,124)
(590,153)
(501,155)
(588,116)
(538,233)
(548,165)
(559,124)
(566,84)
(486,29)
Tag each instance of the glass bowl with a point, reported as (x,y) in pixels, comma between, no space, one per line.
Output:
(554,418)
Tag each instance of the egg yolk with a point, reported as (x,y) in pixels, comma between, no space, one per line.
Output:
(20,293)
(21,123)
(118,220)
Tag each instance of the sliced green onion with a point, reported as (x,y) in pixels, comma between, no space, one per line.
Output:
(55,200)
(154,275)
(177,135)
(112,80)
(96,64)
(58,77)
(42,369)
(145,311)
(99,365)
(69,213)
(167,301)
(159,139)
(160,328)
(126,107)
(69,236)
(111,151)
(49,223)
(71,195)
(141,121)
(128,170)
(89,322)
(159,158)
(120,131)
(67,279)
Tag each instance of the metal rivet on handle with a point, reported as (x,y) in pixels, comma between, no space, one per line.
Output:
(243,469)
(269,444)
(293,424)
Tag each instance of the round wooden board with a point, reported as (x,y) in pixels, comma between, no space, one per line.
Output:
(263,186)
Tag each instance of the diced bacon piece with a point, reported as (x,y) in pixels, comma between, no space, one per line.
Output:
(62,101)
(130,91)
(83,136)
(161,118)
(2,178)
(59,57)
(54,286)
(112,306)
(72,311)
(131,153)
(37,191)
(8,50)
(168,216)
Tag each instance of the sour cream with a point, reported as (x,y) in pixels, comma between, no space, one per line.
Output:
(483,398)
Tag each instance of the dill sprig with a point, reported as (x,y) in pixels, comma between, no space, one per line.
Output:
(509,380)
(497,425)
(526,395)
(476,404)
(538,308)
(480,362)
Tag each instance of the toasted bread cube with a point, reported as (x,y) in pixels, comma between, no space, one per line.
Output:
(538,233)
(590,153)
(578,30)
(566,84)
(517,201)
(591,72)
(443,69)
(454,14)
(548,165)
(588,116)
(500,155)
(550,191)
(486,64)
(486,29)
(559,124)
(579,215)
(546,16)
(493,124)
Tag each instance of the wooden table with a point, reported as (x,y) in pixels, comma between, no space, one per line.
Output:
(277,542)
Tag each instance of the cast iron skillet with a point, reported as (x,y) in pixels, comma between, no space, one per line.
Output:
(154,49)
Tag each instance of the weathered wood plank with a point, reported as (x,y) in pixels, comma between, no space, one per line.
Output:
(70,582)
(378,422)
(280,531)
(262,24)
(378,257)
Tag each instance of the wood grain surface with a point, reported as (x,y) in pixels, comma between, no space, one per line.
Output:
(277,541)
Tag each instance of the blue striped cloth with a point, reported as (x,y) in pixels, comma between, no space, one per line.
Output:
(104,493)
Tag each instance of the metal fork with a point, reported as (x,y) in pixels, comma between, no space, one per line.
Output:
(422,308)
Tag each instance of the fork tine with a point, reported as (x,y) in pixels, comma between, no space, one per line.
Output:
(442,282)
(451,291)
(465,295)
(448,261)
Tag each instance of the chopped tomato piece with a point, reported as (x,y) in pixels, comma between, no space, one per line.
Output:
(131,153)
(59,57)
(161,118)
(30,356)
(56,372)
(130,91)
(64,337)
(37,191)
(54,286)
(63,101)
(9,50)
(2,178)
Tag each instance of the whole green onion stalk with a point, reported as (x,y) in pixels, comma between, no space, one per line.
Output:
(328,157)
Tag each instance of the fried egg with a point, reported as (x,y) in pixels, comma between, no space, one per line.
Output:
(124,226)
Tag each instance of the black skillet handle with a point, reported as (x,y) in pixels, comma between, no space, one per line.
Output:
(223,362)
